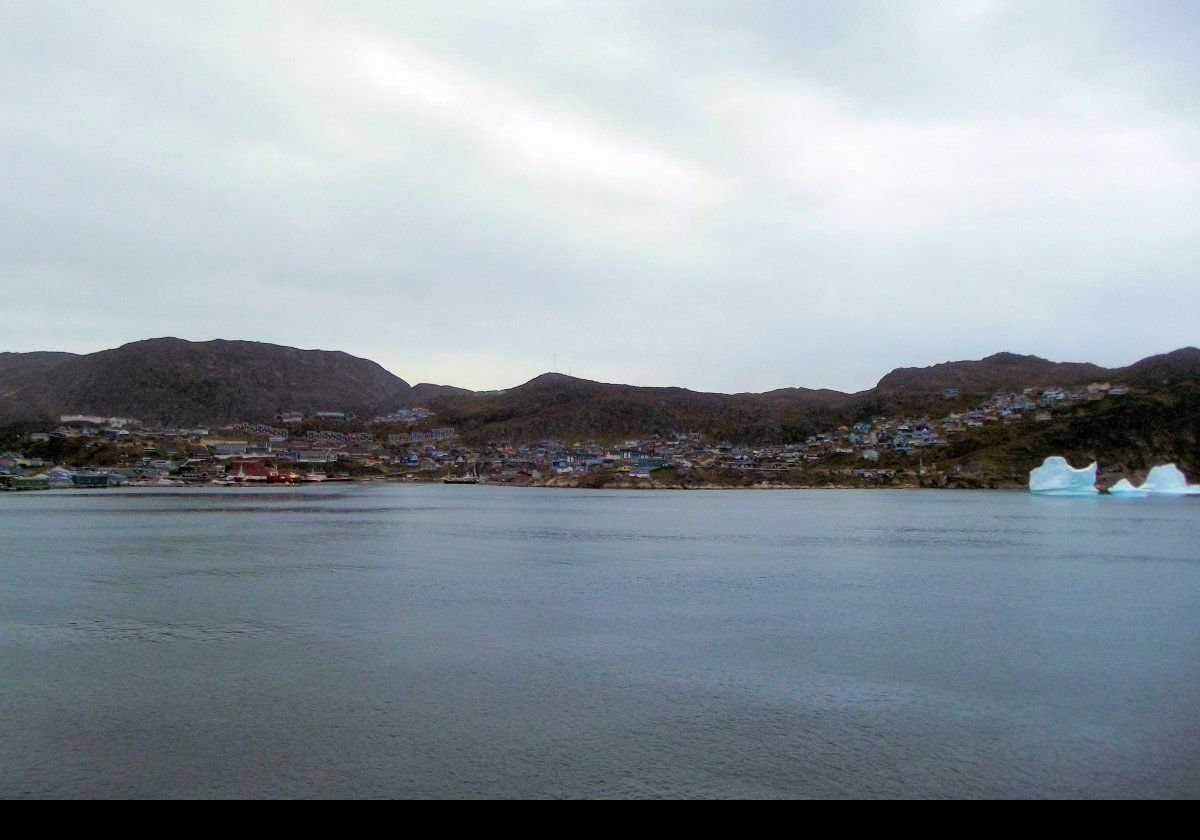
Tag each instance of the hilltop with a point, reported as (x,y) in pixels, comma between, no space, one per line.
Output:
(169,380)
(554,405)
(999,371)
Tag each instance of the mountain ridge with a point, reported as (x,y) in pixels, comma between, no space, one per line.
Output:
(172,380)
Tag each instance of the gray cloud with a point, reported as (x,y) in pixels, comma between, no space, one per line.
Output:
(728,196)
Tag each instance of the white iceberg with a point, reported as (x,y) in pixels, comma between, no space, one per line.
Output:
(1167,480)
(1126,490)
(1055,477)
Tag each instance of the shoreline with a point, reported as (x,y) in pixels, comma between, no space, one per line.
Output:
(537,485)
(500,484)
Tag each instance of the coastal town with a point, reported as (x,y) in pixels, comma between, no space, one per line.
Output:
(83,451)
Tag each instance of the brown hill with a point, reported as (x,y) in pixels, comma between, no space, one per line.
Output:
(999,371)
(554,405)
(423,392)
(15,366)
(174,381)
(1177,366)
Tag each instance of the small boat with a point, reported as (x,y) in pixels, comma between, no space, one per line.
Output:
(470,478)
(158,482)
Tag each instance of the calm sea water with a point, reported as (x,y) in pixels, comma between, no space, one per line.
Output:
(391,640)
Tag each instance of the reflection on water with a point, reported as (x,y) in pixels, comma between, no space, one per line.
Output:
(398,640)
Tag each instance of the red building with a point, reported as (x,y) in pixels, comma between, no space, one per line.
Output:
(249,471)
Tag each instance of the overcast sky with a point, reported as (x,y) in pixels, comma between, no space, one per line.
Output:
(727,196)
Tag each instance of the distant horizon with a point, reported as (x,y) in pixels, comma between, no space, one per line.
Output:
(414,381)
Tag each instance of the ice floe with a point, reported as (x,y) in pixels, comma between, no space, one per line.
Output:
(1126,490)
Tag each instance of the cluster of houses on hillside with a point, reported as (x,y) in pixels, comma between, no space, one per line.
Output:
(162,455)
(20,473)
(261,452)
(405,415)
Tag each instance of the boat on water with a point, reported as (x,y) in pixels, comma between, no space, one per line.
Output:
(157,482)
(469,478)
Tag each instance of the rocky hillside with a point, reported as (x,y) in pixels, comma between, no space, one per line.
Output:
(174,381)
(1126,435)
(1000,371)
(15,366)
(553,405)
(423,392)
